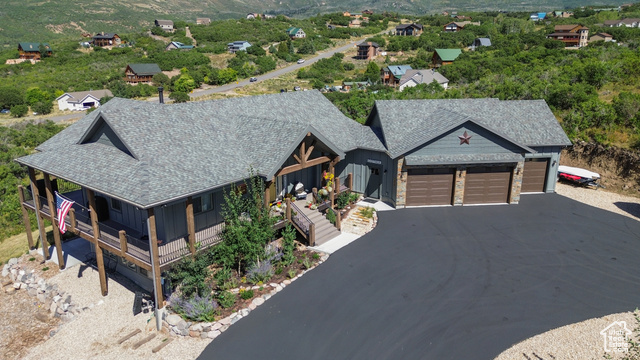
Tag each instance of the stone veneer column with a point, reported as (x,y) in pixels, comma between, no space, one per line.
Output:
(401,187)
(458,191)
(516,183)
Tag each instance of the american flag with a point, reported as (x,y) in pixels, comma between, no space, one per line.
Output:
(63,205)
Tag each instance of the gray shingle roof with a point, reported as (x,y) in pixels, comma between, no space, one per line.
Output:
(184,149)
(408,124)
(423,77)
(145,69)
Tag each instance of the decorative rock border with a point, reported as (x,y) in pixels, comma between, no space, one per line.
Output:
(58,303)
(175,325)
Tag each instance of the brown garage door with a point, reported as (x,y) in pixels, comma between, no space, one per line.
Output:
(534,175)
(486,185)
(430,186)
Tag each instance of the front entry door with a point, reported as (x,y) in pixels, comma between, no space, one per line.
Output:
(374,182)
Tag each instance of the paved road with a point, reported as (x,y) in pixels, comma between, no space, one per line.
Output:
(450,283)
(273,74)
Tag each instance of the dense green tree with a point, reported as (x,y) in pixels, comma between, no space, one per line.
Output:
(10,97)
(373,72)
(35,95)
(43,107)
(19,110)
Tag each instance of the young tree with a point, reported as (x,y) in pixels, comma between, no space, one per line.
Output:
(372,72)
(19,110)
(248,226)
(43,107)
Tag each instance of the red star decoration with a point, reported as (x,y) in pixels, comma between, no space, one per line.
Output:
(464,139)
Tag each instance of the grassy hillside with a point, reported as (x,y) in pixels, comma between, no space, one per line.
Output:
(44,20)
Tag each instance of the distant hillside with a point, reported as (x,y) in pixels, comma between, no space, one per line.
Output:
(45,20)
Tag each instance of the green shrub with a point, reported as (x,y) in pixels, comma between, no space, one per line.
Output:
(195,308)
(353,197)
(43,107)
(331,216)
(291,273)
(226,299)
(191,274)
(342,200)
(246,294)
(367,212)
(179,97)
(19,110)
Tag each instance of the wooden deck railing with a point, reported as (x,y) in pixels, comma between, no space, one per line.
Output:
(121,242)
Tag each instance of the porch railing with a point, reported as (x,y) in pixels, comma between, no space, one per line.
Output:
(300,219)
(135,247)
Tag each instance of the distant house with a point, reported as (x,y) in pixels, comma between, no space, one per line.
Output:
(137,73)
(296,33)
(462,17)
(413,77)
(601,37)
(346,14)
(390,75)
(455,26)
(562,14)
(203,21)
(443,57)
(359,85)
(367,50)
(537,16)
(478,42)
(32,51)
(367,12)
(82,100)
(571,35)
(355,23)
(251,16)
(106,39)
(175,45)
(624,22)
(268,16)
(238,46)
(409,30)
(166,25)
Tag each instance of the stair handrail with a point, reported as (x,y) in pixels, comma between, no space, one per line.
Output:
(300,219)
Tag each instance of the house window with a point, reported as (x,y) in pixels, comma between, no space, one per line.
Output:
(116,204)
(144,272)
(203,204)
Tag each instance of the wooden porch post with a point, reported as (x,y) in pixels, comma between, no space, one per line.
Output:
(123,242)
(288,209)
(36,202)
(25,217)
(336,185)
(191,226)
(338,220)
(312,234)
(267,191)
(96,235)
(52,216)
(350,181)
(155,260)
(74,222)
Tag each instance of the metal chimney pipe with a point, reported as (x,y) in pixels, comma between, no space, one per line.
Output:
(160,94)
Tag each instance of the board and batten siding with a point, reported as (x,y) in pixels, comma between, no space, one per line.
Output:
(482,142)
(358,162)
(552,153)
(171,218)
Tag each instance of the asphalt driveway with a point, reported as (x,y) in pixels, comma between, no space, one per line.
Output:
(450,283)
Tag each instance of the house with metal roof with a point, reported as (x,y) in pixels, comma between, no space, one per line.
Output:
(413,78)
(478,42)
(82,100)
(137,73)
(295,33)
(390,75)
(29,50)
(235,46)
(150,177)
(443,57)
(176,45)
